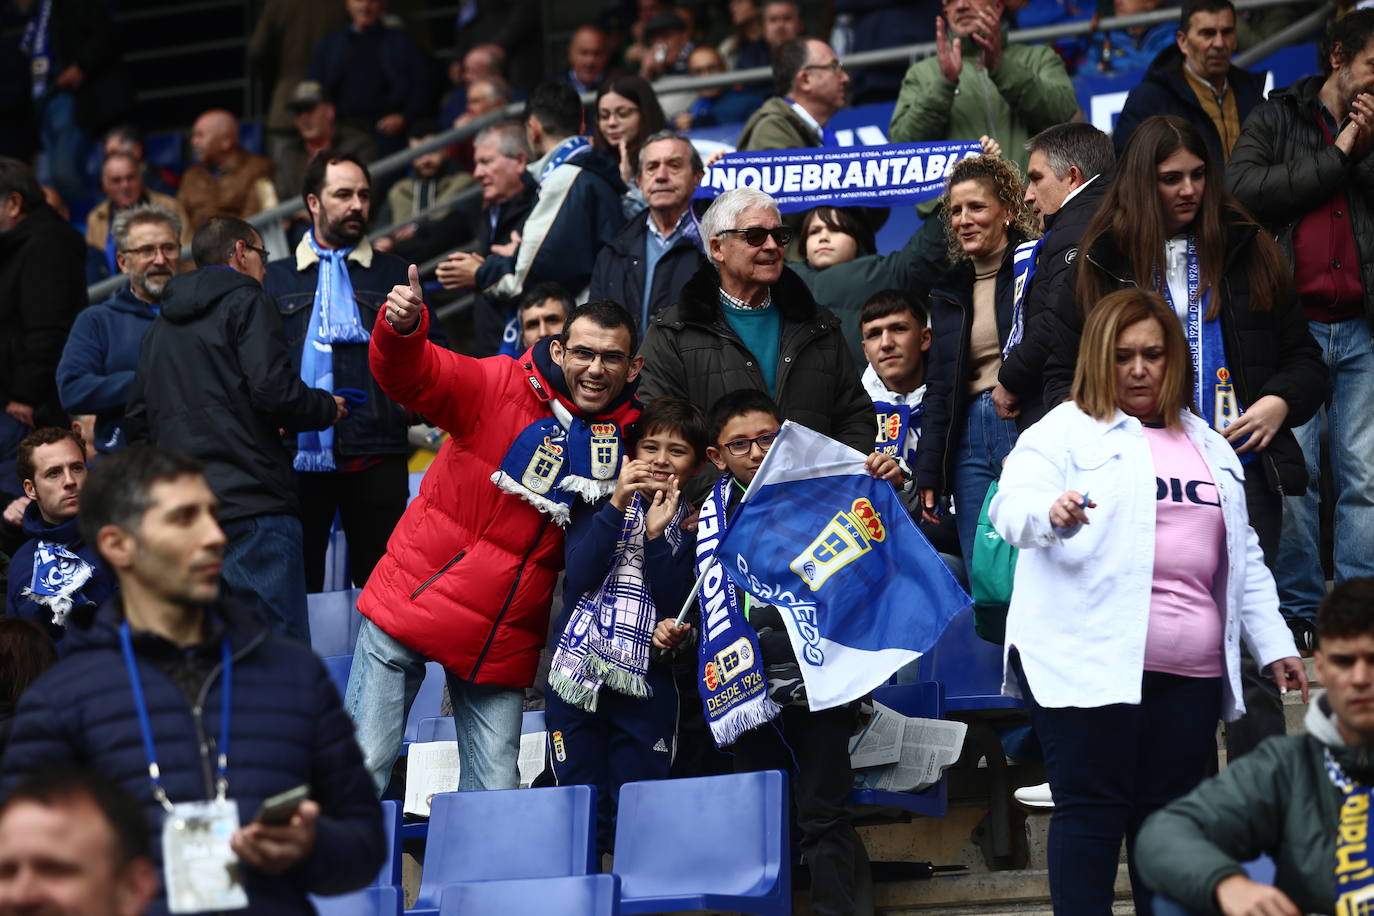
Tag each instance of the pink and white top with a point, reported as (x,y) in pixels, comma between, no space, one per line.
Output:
(1186,624)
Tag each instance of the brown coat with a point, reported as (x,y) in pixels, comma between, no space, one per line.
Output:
(100,219)
(242,189)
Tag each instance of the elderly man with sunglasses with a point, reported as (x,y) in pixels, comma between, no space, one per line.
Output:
(747,321)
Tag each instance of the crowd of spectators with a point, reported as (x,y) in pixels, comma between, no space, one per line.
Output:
(1187,298)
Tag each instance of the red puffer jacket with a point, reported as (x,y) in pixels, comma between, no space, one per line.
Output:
(469,571)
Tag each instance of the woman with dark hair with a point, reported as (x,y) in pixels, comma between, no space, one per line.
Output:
(1167,223)
(963,439)
(842,268)
(1138,579)
(26,651)
(627,111)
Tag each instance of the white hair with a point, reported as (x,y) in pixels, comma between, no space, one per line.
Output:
(725,210)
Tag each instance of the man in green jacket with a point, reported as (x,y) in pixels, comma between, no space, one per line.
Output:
(977,85)
(1304,800)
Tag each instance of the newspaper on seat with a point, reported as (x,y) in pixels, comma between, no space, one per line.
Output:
(432,767)
(897,753)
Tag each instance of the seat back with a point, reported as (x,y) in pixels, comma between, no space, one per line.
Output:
(338,667)
(334,621)
(390,875)
(370,901)
(583,895)
(926,701)
(969,666)
(428,700)
(508,833)
(679,841)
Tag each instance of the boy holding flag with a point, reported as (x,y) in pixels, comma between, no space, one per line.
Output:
(755,697)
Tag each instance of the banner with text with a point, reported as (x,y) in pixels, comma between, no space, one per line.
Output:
(847,176)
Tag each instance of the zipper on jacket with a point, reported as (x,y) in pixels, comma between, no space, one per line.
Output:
(510,596)
(443,569)
(965,334)
(789,359)
(198,712)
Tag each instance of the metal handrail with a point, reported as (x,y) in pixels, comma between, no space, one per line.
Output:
(1286,36)
(400,160)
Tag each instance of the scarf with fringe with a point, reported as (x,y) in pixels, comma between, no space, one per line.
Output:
(606,640)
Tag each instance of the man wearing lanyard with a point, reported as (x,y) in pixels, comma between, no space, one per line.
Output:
(1304,800)
(199,711)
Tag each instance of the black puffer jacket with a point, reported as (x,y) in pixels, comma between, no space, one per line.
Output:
(1023,372)
(691,352)
(215,381)
(1282,167)
(1268,352)
(947,375)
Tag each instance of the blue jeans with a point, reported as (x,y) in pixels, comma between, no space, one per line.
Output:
(264,561)
(1109,768)
(65,146)
(382,684)
(984,443)
(1349,355)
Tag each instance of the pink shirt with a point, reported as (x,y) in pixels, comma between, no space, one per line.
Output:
(1186,625)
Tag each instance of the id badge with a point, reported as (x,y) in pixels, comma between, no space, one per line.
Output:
(201,871)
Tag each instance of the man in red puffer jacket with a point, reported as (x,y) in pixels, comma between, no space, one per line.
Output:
(469,572)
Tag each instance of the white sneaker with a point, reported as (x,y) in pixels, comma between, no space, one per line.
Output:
(1034,797)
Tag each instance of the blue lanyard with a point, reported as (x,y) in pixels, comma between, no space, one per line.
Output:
(154,774)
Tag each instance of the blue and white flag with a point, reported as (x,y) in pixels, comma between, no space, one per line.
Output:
(851,176)
(861,590)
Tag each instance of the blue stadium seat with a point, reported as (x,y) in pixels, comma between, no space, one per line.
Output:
(415,478)
(370,901)
(969,666)
(338,667)
(583,895)
(710,843)
(334,621)
(390,875)
(428,700)
(441,728)
(524,833)
(925,701)
(336,573)
(1261,870)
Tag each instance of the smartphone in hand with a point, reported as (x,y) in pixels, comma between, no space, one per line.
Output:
(277,810)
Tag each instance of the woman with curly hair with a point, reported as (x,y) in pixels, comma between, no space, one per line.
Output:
(963,439)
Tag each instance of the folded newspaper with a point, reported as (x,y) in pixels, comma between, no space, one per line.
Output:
(897,753)
(432,767)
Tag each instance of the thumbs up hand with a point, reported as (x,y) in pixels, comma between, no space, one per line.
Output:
(405,303)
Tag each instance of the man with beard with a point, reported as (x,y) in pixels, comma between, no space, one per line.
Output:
(98,362)
(328,293)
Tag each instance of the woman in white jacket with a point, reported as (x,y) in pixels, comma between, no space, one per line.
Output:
(1138,579)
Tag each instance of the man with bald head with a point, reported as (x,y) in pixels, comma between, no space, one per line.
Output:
(121,178)
(226,180)
(587,56)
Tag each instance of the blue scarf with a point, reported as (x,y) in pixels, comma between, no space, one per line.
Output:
(1354,872)
(36,42)
(895,423)
(1213,394)
(562,153)
(733,687)
(1022,270)
(58,575)
(559,458)
(334,320)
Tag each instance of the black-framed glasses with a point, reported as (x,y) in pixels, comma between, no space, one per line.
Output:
(755,235)
(741,447)
(168,249)
(613,360)
(834,66)
(262,252)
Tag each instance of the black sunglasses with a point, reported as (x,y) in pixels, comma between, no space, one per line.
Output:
(755,235)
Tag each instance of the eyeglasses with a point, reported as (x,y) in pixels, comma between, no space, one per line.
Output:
(834,66)
(262,252)
(612,360)
(755,235)
(168,249)
(741,447)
